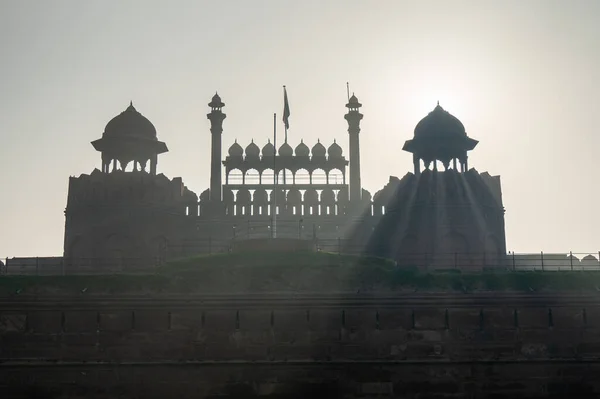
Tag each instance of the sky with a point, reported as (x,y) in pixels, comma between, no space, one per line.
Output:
(522,76)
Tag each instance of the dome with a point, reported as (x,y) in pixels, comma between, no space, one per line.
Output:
(334,150)
(318,150)
(353,103)
(236,150)
(130,123)
(252,150)
(216,102)
(286,150)
(440,123)
(302,150)
(205,196)
(268,149)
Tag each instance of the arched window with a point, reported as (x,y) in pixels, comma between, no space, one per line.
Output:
(285,176)
(252,177)
(235,176)
(336,177)
(318,176)
(266,176)
(302,177)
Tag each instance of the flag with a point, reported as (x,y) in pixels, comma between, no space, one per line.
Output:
(286,109)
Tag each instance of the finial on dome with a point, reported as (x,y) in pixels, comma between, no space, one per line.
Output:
(268,141)
(318,140)
(333,141)
(131,103)
(438,103)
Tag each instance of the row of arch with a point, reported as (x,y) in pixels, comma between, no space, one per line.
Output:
(285,176)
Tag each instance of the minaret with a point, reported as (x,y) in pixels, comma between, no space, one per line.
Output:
(216,118)
(354,117)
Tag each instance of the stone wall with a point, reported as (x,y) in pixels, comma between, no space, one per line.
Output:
(263,345)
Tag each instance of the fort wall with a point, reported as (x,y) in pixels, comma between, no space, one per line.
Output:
(265,347)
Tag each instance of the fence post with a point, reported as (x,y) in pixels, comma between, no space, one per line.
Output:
(542,254)
(571,259)
(513,261)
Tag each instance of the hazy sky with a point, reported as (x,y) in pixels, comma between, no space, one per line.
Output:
(523,76)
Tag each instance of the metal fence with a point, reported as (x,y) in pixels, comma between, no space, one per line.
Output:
(465,262)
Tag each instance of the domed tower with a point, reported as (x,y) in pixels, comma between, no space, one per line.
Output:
(113,218)
(129,137)
(440,136)
(354,117)
(453,219)
(216,117)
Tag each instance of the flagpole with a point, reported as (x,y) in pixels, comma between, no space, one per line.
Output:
(274,212)
(285,125)
(348,90)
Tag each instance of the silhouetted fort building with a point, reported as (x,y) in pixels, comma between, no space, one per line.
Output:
(126,212)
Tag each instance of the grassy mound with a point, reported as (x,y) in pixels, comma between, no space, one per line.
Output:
(295,272)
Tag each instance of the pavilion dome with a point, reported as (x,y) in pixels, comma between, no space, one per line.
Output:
(353,102)
(302,150)
(268,149)
(216,101)
(286,150)
(440,123)
(334,150)
(130,123)
(252,150)
(236,150)
(318,150)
